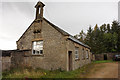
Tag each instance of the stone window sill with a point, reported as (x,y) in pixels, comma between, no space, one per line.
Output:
(38,55)
(77,59)
(83,59)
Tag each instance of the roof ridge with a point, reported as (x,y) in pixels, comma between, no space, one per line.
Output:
(56,27)
(67,34)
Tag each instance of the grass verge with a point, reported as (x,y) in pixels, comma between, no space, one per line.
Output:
(40,73)
(103,61)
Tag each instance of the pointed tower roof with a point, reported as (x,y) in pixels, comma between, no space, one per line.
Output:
(39,4)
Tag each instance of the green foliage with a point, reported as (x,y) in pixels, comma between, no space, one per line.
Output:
(103,39)
(81,36)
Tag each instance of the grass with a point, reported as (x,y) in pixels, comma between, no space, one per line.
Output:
(40,73)
(103,61)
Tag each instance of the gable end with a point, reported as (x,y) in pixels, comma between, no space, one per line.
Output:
(25,31)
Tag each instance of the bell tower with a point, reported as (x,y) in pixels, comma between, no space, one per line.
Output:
(39,10)
(38,20)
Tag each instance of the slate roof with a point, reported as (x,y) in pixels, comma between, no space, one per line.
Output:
(77,41)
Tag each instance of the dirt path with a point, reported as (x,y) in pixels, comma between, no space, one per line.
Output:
(104,70)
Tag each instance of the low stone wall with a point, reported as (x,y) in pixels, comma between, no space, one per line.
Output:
(6,59)
(99,57)
(18,58)
(109,56)
(6,63)
(14,58)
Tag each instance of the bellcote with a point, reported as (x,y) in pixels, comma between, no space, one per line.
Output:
(39,10)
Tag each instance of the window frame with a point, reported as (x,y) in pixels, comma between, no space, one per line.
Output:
(37,45)
(39,10)
(76,53)
(87,54)
(83,54)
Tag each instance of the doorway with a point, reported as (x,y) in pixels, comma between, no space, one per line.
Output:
(69,60)
(105,56)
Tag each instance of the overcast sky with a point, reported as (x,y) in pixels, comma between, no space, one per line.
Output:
(17,15)
(119,11)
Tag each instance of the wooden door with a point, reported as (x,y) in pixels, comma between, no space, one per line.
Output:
(70,60)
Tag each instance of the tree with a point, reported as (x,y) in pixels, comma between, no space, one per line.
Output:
(110,42)
(81,36)
(103,39)
(116,29)
(108,28)
(89,38)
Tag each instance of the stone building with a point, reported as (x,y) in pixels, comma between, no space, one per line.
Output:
(44,45)
(105,56)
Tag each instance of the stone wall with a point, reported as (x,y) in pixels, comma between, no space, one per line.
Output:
(55,48)
(6,63)
(18,58)
(79,62)
(101,56)
(6,59)
(14,58)
(25,41)
(92,57)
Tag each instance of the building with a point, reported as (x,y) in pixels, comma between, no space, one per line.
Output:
(105,56)
(44,45)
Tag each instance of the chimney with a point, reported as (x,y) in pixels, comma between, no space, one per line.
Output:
(39,10)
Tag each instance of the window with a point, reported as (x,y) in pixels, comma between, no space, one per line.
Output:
(87,54)
(39,10)
(37,47)
(83,56)
(76,53)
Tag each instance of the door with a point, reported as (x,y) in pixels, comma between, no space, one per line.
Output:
(105,56)
(70,60)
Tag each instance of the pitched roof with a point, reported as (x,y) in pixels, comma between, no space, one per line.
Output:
(39,4)
(67,34)
(57,28)
(77,41)
(62,32)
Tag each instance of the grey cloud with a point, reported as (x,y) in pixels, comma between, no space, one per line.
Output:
(23,7)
